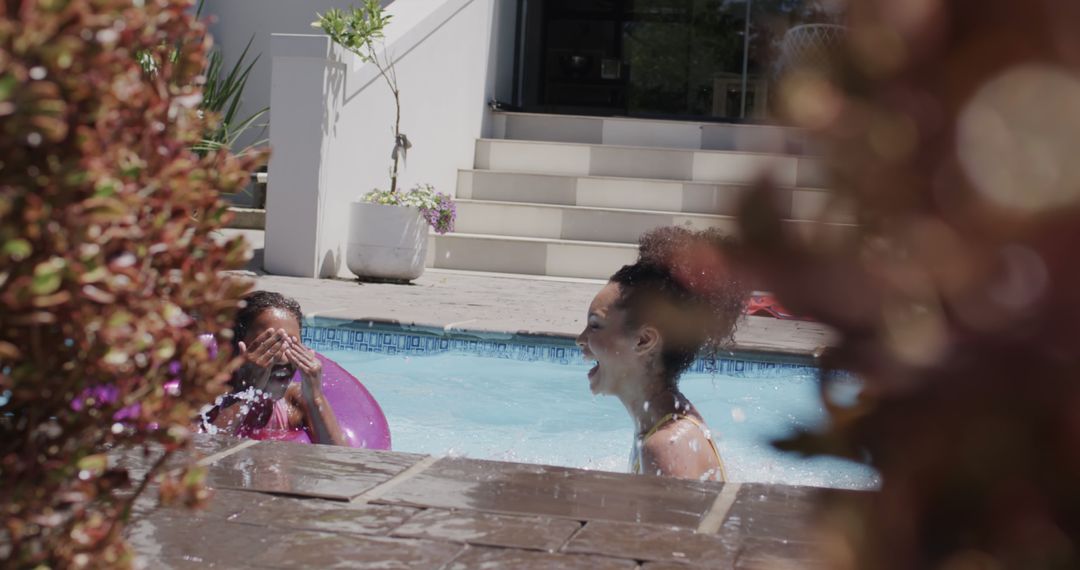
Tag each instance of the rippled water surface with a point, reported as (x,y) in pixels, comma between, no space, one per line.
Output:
(537,412)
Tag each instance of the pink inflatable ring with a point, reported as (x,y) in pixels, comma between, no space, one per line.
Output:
(359,415)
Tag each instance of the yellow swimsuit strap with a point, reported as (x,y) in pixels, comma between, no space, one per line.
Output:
(663,421)
(712,444)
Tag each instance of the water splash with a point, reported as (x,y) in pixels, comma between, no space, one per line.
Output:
(246,398)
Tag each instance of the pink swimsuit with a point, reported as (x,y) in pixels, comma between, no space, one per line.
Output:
(280,418)
(278,428)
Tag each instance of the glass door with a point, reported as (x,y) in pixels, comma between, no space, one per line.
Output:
(680,59)
(582,62)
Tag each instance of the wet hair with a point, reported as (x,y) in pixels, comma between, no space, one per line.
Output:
(254,304)
(682,286)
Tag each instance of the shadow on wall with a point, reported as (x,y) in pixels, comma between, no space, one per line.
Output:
(333,90)
(255,264)
(331,263)
(232,22)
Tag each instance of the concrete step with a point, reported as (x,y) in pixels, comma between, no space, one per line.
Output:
(528,256)
(247,218)
(638,194)
(577,223)
(626,131)
(719,167)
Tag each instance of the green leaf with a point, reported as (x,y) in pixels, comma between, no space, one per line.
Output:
(116,357)
(76,178)
(48,276)
(96,464)
(105,188)
(7,85)
(53,5)
(18,249)
(165,350)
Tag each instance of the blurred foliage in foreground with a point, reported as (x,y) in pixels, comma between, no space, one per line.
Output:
(108,269)
(951,127)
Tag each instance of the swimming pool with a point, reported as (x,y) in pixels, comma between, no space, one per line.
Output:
(513,400)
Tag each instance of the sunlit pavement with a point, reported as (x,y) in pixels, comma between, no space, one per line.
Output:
(496,303)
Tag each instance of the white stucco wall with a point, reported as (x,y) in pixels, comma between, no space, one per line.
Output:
(331,131)
(234,22)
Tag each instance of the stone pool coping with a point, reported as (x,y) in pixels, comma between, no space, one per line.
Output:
(293,505)
(491,304)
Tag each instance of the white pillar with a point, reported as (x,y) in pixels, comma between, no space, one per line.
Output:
(306,85)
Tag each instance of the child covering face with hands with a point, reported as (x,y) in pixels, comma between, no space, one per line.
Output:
(264,403)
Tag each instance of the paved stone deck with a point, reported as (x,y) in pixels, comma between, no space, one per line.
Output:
(496,303)
(283,505)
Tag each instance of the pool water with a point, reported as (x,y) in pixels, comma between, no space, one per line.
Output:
(540,412)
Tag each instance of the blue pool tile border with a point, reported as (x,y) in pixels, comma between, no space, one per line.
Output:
(372,339)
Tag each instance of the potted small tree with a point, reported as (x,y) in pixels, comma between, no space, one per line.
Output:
(388,229)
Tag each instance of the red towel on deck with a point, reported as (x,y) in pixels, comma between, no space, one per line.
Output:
(765,305)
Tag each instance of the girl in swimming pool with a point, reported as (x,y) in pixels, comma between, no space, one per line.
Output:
(263,402)
(645,328)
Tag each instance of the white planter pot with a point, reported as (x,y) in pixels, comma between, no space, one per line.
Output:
(386,242)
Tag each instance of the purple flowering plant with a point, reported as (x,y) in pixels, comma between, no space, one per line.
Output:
(437,208)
